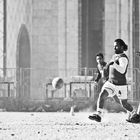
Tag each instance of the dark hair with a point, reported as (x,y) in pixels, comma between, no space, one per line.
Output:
(100,54)
(122,43)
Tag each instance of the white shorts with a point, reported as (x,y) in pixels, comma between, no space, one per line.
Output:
(120,91)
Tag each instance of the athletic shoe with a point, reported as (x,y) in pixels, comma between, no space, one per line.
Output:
(95,117)
(135,118)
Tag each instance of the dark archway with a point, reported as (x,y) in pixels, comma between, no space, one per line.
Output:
(23,63)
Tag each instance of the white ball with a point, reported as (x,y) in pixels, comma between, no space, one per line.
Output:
(57,83)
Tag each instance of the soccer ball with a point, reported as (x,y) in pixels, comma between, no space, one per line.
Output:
(57,83)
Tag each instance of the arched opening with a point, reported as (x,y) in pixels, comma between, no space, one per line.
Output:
(23,63)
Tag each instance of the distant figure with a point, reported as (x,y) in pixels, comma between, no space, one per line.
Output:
(116,85)
(101,75)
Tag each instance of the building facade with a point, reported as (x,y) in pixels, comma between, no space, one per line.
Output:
(49,38)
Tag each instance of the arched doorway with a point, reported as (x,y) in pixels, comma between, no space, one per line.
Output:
(23,63)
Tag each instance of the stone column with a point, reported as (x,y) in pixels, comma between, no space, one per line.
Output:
(68,36)
(62,37)
(109,27)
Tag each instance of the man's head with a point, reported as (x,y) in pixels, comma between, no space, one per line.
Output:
(120,46)
(99,58)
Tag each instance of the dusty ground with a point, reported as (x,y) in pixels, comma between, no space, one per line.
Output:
(63,126)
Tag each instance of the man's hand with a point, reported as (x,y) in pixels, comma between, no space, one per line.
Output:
(117,62)
(95,83)
(111,63)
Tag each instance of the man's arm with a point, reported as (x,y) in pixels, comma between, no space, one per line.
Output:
(98,76)
(121,67)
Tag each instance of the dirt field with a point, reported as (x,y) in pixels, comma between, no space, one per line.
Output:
(64,126)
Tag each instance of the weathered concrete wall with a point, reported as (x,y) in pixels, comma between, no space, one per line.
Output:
(45,34)
(54,41)
(110,27)
(53,33)
(45,44)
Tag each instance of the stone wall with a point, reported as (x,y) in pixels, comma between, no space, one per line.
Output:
(53,33)
(54,41)
(18,13)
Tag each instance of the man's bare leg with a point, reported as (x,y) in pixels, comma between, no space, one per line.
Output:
(100,104)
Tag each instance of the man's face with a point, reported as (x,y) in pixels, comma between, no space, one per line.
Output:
(118,48)
(99,59)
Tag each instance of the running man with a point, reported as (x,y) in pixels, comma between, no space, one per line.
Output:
(116,85)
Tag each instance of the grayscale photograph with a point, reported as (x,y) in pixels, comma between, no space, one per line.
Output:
(69,69)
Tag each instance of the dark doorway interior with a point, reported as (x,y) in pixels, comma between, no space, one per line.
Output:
(92,31)
(23,63)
